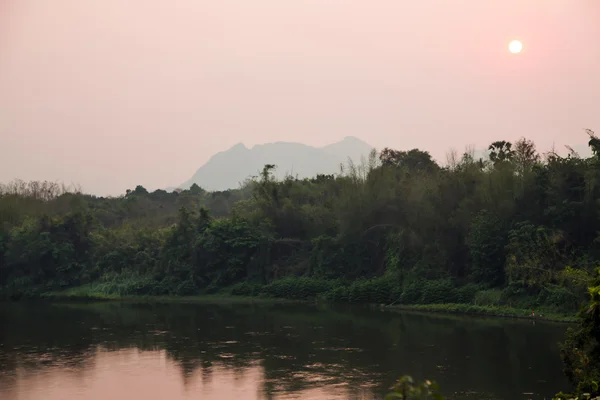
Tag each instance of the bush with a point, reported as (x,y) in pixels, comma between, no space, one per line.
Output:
(490,297)
(246,289)
(412,292)
(439,292)
(212,288)
(382,290)
(298,288)
(339,294)
(186,288)
(167,285)
(559,298)
(466,294)
(517,295)
(125,284)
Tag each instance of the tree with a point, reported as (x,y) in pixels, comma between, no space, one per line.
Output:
(594,142)
(140,190)
(486,241)
(535,255)
(501,151)
(413,160)
(581,350)
(195,189)
(525,155)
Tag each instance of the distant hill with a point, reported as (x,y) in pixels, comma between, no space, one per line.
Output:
(228,169)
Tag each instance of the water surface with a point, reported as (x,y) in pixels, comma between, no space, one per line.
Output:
(123,351)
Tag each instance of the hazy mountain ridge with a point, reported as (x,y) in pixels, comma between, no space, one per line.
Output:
(228,169)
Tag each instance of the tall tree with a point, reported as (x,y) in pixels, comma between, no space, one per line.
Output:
(501,151)
(525,155)
(413,160)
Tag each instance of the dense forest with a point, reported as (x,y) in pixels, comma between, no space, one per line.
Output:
(517,228)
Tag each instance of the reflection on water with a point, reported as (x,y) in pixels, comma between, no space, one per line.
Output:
(184,351)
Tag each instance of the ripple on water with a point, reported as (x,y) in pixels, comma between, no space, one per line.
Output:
(346,349)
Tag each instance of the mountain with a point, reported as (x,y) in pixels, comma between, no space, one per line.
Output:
(350,147)
(228,169)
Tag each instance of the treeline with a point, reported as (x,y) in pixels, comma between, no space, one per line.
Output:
(21,200)
(517,228)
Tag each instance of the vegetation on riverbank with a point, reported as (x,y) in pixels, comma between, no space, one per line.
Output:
(86,293)
(581,350)
(580,355)
(260,294)
(407,389)
(517,230)
(491,311)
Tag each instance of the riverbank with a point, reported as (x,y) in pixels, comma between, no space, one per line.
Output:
(217,298)
(84,294)
(487,311)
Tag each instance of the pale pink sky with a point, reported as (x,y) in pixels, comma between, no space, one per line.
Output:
(113,93)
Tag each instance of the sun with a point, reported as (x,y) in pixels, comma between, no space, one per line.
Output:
(515,46)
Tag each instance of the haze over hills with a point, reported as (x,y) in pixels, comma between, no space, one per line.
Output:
(228,169)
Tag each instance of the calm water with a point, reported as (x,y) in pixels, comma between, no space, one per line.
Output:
(114,351)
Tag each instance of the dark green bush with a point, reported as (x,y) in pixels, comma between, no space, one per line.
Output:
(466,294)
(559,298)
(339,294)
(246,289)
(167,285)
(439,292)
(488,297)
(518,295)
(298,288)
(412,292)
(186,288)
(380,290)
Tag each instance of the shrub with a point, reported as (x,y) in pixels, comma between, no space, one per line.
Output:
(125,284)
(412,292)
(439,292)
(382,290)
(246,289)
(298,288)
(490,297)
(186,288)
(466,294)
(339,294)
(559,298)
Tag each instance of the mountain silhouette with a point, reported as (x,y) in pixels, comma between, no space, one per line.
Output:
(228,169)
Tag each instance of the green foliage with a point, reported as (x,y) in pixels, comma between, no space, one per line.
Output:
(438,292)
(397,229)
(486,241)
(380,290)
(536,255)
(298,288)
(466,294)
(228,250)
(413,160)
(407,389)
(581,350)
(501,151)
(490,297)
(246,289)
(126,284)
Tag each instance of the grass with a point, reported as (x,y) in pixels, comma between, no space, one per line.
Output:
(83,293)
(86,293)
(492,311)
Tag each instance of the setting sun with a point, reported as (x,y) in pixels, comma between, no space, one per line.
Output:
(515,46)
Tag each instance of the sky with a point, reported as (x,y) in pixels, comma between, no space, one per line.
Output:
(109,94)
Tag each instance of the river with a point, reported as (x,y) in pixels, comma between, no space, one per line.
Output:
(123,351)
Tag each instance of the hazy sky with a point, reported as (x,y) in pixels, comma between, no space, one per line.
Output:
(113,93)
